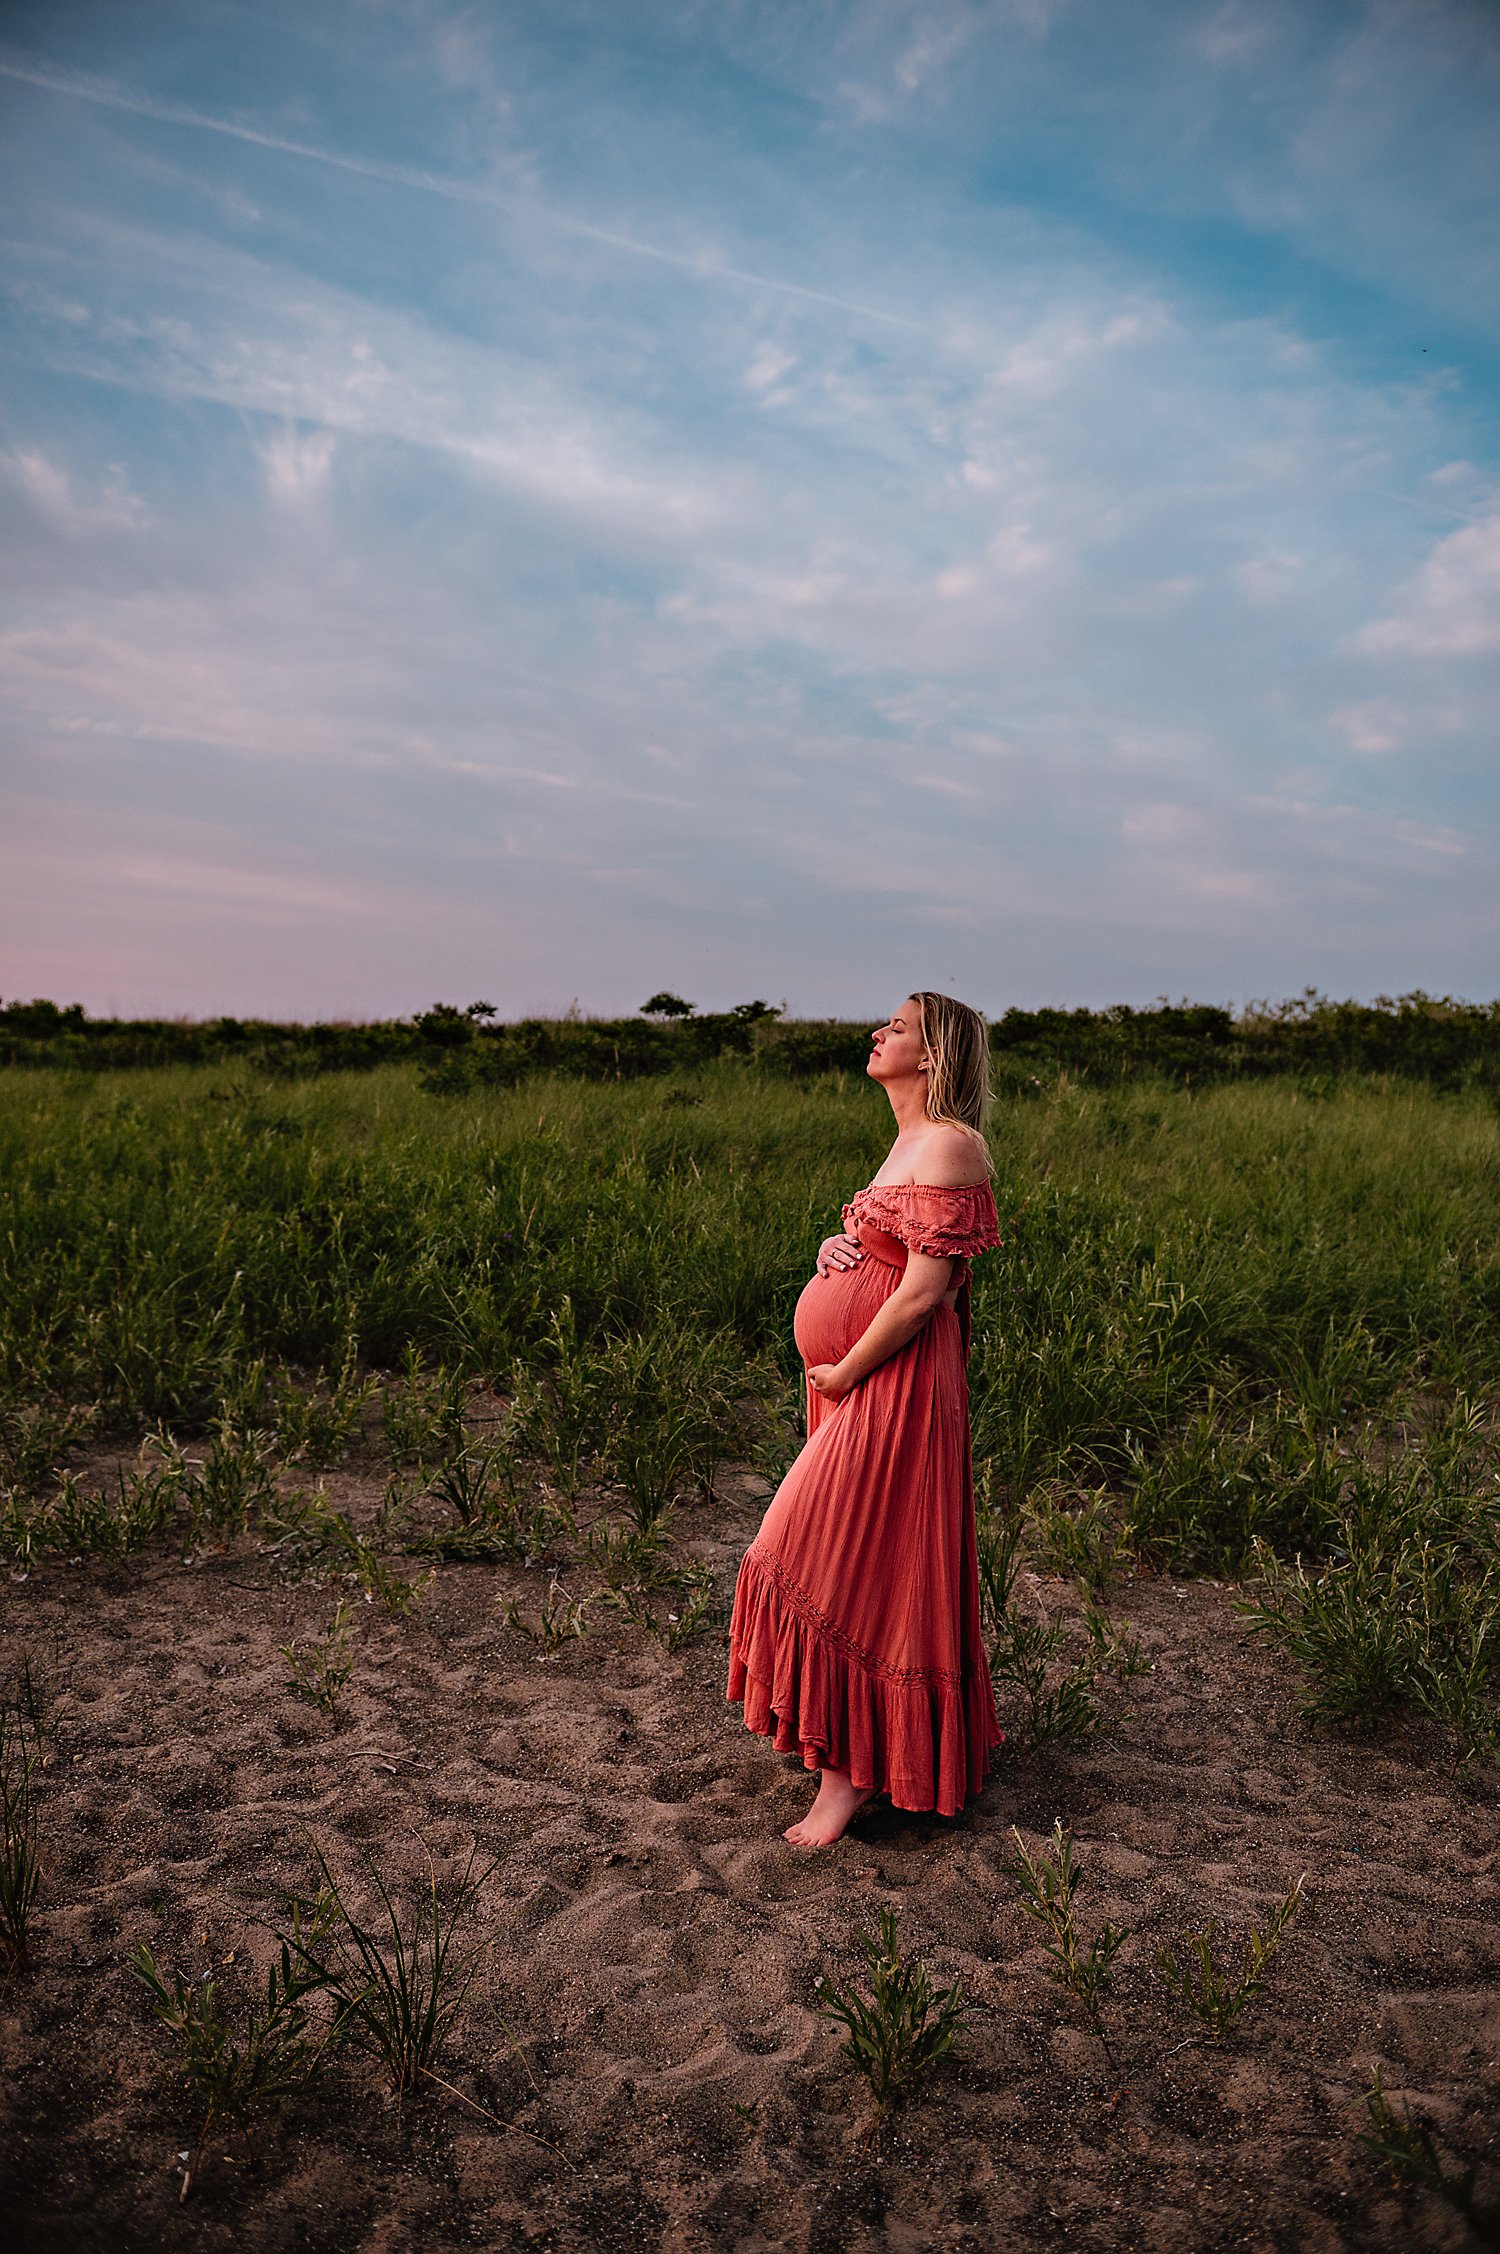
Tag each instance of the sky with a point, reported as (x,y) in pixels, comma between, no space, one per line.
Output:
(801,499)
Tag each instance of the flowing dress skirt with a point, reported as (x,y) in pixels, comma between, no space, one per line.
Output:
(856,1639)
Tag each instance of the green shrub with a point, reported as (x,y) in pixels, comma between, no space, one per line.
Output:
(1399,1620)
(320,1672)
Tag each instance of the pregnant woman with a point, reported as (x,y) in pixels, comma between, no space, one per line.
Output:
(856,1636)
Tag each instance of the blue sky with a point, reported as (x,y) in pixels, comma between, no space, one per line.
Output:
(803,500)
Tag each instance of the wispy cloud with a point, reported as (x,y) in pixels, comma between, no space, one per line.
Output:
(229,328)
(298,464)
(105,94)
(76,512)
(1452,607)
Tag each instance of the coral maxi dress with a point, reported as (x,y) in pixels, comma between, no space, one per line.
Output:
(856,1635)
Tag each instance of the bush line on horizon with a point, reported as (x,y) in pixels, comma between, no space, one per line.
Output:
(1450,1043)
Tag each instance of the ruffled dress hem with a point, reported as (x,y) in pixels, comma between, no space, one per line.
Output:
(921,1735)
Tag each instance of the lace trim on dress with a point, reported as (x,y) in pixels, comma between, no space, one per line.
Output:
(930,1678)
(952,1236)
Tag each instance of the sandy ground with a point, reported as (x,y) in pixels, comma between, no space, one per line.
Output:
(652,1944)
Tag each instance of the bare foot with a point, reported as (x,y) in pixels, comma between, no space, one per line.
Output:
(838,1803)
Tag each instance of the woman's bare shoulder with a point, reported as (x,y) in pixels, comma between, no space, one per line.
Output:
(952,1158)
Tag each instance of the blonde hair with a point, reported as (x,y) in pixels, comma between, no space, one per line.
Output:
(957,1042)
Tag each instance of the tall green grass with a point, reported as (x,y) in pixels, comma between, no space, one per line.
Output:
(162,1230)
(1221,1311)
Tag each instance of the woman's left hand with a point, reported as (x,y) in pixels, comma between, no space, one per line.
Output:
(826,1379)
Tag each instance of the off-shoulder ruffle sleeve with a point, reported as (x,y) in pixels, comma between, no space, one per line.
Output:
(949,1224)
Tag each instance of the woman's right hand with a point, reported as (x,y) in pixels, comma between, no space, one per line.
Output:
(841,1251)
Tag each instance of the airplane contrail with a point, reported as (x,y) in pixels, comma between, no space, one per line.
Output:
(106,95)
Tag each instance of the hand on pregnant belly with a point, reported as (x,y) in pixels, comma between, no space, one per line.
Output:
(838,1252)
(823,1377)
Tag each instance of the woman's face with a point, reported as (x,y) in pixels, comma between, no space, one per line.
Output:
(896,1050)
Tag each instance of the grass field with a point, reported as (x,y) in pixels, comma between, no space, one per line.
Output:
(345,1334)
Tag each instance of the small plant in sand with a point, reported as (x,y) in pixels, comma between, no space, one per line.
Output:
(1211,1990)
(39,1700)
(1406,2147)
(393,1512)
(493,1521)
(1401,1614)
(675,1407)
(243,2075)
(29,1719)
(559,1618)
(468,1484)
(380,1584)
(422,1417)
(629,1558)
(1049,1893)
(307,1535)
(557,1412)
(297,1530)
(319,1424)
(513,1534)
(898,2031)
(79,1522)
(226,1487)
(20,1862)
(652,1465)
(398,1983)
(657,1408)
(1080,1537)
(18,1535)
(684,1606)
(321,1672)
(696,1612)
(1053,1700)
(777,1433)
(37,1436)
(1114,1646)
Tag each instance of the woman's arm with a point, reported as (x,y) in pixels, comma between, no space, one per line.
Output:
(896,1323)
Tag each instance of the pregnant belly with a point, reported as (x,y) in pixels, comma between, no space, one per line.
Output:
(836,1309)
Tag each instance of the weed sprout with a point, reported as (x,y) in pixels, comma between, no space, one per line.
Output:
(1407,2148)
(321,1672)
(1210,1989)
(398,1983)
(897,2032)
(1049,1892)
(20,1861)
(241,2075)
(423,1416)
(560,1619)
(495,1523)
